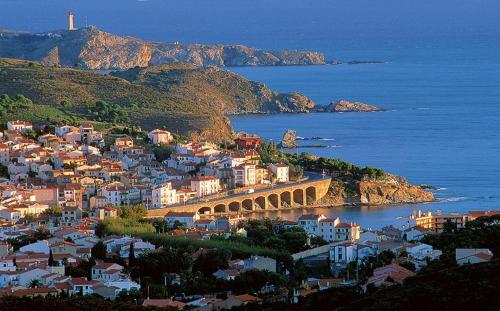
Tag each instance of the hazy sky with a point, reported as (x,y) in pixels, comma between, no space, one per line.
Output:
(269,23)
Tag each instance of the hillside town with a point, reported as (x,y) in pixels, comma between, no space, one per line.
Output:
(65,191)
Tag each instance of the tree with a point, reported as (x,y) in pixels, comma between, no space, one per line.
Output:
(35,283)
(131,255)
(51,259)
(99,251)
(134,212)
(42,233)
(449,226)
(212,261)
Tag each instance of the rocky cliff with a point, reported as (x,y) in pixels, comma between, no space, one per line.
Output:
(96,49)
(389,190)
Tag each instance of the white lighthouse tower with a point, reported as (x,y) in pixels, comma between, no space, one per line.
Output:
(71,23)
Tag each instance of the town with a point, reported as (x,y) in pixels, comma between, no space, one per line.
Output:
(123,215)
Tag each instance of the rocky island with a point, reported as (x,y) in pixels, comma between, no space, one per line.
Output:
(347,106)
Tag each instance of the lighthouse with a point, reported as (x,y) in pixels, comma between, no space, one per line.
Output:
(71,23)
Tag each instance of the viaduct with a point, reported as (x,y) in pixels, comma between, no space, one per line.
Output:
(278,197)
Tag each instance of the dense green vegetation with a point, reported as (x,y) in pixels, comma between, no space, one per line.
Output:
(262,232)
(105,112)
(237,249)
(130,222)
(12,105)
(66,95)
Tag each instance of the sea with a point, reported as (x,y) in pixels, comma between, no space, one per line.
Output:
(439,81)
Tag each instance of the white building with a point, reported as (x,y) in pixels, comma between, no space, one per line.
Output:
(327,228)
(21,126)
(310,223)
(115,193)
(106,271)
(343,253)
(159,137)
(205,185)
(472,255)
(163,195)
(186,219)
(281,172)
(244,175)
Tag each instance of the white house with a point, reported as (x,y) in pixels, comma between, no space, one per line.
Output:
(310,223)
(163,195)
(205,185)
(260,263)
(420,253)
(37,247)
(114,193)
(281,172)
(185,218)
(244,175)
(472,255)
(106,271)
(160,137)
(344,253)
(327,228)
(140,248)
(21,126)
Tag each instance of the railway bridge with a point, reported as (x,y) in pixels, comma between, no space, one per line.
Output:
(284,196)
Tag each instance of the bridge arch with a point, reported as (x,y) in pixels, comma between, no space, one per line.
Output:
(311,195)
(205,210)
(273,200)
(286,199)
(298,196)
(247,204)
(234,206)
(220,208)
(260,202)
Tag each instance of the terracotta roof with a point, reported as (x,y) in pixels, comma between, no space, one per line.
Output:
(163,303)
(248,298)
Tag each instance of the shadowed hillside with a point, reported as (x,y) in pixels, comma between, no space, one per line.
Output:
(181,98)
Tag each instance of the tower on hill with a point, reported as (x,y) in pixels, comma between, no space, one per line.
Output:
(71,23)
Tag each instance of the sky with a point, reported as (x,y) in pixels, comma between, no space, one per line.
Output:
(269,23)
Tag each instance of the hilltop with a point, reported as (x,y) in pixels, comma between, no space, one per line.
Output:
(184,99)
(98,50)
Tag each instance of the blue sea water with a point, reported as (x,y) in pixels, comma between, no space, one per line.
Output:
(442,126)
(441,84)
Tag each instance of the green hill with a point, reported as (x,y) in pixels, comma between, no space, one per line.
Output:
(178,97)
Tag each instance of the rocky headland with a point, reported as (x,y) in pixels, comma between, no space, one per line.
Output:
(390,189)
(99,50)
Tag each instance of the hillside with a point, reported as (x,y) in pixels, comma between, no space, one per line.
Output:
(178,97)
(96,49)
(226,92)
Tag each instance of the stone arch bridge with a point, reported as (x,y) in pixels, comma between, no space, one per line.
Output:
(278,197)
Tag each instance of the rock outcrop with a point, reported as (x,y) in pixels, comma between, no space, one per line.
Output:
(98,50)
(348,106)
(389,190)
(289,139)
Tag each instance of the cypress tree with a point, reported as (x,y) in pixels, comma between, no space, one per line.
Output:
(131,255)
(51,259)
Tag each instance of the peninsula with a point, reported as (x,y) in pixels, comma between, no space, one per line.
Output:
(99,50)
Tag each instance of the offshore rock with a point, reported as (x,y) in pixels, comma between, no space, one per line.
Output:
(289,139)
